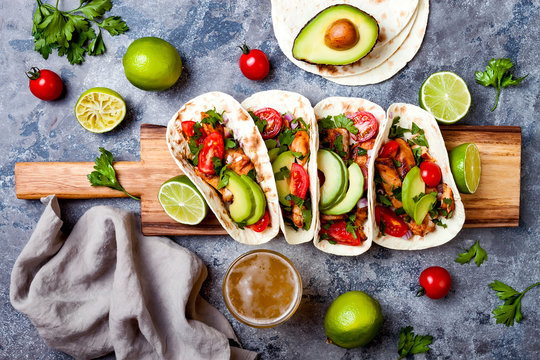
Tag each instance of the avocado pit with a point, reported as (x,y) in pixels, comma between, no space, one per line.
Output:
(341,35)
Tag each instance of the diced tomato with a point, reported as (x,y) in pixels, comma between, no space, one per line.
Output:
(366,124)
(273,120)
(262,224)
(213,146)
(393,224)
(431,173)
(187,127)
(389,150)
(299,180)
(338,232)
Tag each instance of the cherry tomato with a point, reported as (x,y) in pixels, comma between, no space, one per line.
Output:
(393,224)
(213,146)
(431,173)
(389,150)
(187,128)
(299,180)
(262,224)
(338,232)
(45,84)
(253,63)
(366,124)
(435,282)
(273,120)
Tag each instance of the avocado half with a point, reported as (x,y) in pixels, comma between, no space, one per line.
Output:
(338,35)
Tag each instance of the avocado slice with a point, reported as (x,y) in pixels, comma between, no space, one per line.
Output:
(354,193)
(243,205)
(423,206)
(339,35)
(412,186)
(285,159)
(335,178)
(259,198)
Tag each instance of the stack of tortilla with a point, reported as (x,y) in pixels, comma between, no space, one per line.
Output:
(402,26)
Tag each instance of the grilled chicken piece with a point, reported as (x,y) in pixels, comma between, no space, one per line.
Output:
(405,157)
(301,144)
(325,217)
(362,160)
(447,194)
(390,178)
(331,136)
(426,227)
(213,180)
(361,217)
(368,145)
(238,161)
(424,152)
(298,216)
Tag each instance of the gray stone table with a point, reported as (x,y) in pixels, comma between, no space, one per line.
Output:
(462,37)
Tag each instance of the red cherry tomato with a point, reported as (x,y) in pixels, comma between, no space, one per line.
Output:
(338,232)
(213,146)
(389,150)
(299,180)
(253,63)
(262,224)
(431,173)
(187,128)
(273,120)
(393,224)
(435,282)
(45,84)
(366,124)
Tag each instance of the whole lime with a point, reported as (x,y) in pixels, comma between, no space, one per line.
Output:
(353,320)
(151,63)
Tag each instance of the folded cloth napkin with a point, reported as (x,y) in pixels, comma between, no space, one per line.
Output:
(106,287)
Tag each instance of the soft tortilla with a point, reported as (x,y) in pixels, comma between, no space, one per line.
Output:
(247,135)
(298,106)
(395,18)
(408,114)
(399,59)
(335,106)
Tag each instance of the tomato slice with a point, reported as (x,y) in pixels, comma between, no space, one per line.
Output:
(393,224)
(299,180)
(273,120)
(366,124)
(431,173)
(389,150)
(262,224)
(187,127)
(213,146)
(338,232)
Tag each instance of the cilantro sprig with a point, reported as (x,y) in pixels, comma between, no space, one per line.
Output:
(498,75)
(476,252)
(410,344)
(71,32)
(338,121)
(511,309)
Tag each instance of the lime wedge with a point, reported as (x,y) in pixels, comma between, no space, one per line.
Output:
(182,201)
(100,109)
(446,96)
(466,167)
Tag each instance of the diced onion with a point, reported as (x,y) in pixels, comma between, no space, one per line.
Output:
(225,119)
(408,235)
(362,203)
(288,116)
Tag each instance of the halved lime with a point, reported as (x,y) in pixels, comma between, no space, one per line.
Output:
(100,109)
(446,96)
(182,201)
(466,167)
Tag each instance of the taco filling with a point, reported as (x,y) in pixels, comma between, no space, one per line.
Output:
(287,141)
(346,143)
(411,198)
(220,160)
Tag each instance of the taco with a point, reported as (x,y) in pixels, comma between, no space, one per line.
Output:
(287,124)
(216,144)
(349,128)
(416,203)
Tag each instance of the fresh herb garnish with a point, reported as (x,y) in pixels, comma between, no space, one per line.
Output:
(511,309)
(286,137)
(298,155)
(338,122)
(419,138)
(351,227)
(252,174)
(417,152)
(439,223)
(223,178)
(382,227)
(410,344)
(270,144)
(71,32)
(400,211)
(397,131)
(418,197)
(397,193)
(476,251)
(307,215)
(397,163)
(326,225)
(448,201)
(283,173)
(214,118)
(384,200)
(259,123)
(338,146)
(298,201)
(104,173)
(217,164)
(230,143)
(498,75)
(360,151)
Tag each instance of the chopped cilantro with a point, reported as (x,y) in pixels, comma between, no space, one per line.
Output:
(283,173)
(213,118)
(339,122)
(397,131)
(384,200)
(223,178)
(251,173)
(259,123)
(270,144)
(230,143)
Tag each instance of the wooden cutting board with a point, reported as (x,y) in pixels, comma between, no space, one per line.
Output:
(495,204)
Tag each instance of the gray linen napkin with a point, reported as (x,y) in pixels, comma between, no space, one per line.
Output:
(106,287)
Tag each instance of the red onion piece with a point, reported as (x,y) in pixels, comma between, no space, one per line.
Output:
(288,116)
(225,119)
(227,133)
(408,235)
(362,203)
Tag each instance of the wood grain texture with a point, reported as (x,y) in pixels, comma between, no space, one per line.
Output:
(495,204)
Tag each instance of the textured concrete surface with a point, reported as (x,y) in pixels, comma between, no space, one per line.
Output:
(462,37)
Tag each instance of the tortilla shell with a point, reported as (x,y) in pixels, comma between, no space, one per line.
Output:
(408,114)
(335,106)
(247,135)
(298,106)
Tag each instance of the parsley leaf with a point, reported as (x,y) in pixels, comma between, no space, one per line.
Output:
(259,123)
(497,75)
(230,143)
(338,121)
(223,178)
(298,201)
(338,146)
(286,137)
(214,118)
(397,131)
(270,144)
(476,251)
(439,222)
(410,344)
(283,173)
(307,215)
(511,309)
(384,200)
(104,173)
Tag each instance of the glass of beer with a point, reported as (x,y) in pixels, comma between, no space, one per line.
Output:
(262,288)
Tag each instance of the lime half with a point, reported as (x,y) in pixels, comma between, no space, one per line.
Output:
(466,167)
(182,201)
(446,96)
(100,109)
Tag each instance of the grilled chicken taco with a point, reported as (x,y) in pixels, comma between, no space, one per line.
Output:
(216,144)
(287,124)
(417,204)
(349,128)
